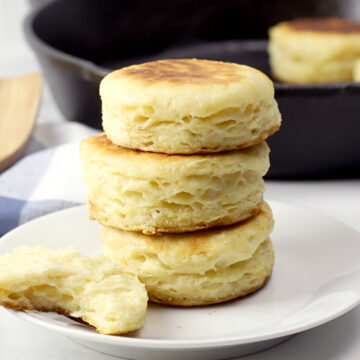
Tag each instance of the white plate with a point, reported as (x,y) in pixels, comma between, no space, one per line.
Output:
(316,279)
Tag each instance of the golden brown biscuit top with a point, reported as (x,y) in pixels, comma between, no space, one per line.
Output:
(331,25)
(191,71)
(102,143)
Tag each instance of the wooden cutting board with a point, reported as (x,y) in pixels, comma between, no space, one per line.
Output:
(19,102)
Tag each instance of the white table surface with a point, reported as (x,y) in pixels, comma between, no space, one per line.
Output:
(339,339)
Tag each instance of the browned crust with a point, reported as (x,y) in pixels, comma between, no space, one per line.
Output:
(193,302)
(185,71)
(159,229)
(14,307)
(60,311)
(325,25)
(57,310)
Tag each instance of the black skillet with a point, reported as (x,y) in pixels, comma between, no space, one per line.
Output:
(78,42)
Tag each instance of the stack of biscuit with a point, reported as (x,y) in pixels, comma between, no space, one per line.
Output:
(177,179)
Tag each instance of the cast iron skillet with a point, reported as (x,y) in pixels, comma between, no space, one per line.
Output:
(79,42)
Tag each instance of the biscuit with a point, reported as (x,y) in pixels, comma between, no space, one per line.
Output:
(103,294)
(198,268)
(356,71)
(314,50)
(188,106)
(153,193)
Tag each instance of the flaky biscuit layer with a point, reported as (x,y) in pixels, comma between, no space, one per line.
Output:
(154,193)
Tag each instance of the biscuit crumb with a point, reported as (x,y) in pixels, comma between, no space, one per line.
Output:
(102,294)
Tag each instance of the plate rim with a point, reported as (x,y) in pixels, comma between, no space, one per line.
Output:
(180,343)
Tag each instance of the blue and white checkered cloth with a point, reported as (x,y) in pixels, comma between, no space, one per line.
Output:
(47,178)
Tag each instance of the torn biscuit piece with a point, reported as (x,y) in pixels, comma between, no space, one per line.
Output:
(103,294)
